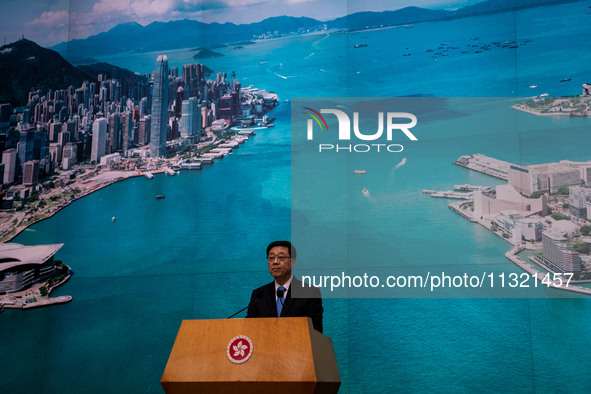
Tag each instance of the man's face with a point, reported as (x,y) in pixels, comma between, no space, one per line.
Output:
(280,264)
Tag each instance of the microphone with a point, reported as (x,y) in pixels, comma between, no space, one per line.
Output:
(280,295)
(257,296)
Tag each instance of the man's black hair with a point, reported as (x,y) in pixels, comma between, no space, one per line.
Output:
(286,244)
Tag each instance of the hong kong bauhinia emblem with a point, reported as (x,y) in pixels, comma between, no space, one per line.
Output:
(239,349)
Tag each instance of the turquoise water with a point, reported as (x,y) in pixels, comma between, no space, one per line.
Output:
(198,253)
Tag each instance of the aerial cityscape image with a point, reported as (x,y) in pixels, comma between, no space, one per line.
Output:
(430,161)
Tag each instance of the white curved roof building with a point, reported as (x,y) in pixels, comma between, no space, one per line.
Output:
(21,266)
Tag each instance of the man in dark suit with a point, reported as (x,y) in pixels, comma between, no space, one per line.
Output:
(286,296)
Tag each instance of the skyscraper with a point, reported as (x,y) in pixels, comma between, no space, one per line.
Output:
(126,121)
(31,173)
(9,161)
(191,118)
(99,139)
(113,130)
(159,108)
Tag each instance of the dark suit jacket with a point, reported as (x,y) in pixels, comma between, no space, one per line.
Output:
(262,303)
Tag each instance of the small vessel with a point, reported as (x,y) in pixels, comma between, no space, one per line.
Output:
(359,45)
(365,192)
(426,191)
(113,219)
(533,86)
(402,162)
(148,175)
(170,171)
(565,79)
(160,197)
(360,172)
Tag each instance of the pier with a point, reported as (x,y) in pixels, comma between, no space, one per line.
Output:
(512,255)
(452,194)
(470,188)
(486,165)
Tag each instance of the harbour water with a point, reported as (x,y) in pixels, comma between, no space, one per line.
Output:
(198,253)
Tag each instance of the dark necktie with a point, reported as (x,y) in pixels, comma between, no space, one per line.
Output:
(280,301)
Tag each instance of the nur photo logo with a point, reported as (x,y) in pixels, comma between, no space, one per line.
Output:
(389,125)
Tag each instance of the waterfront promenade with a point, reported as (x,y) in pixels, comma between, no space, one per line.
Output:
(512,254)
(33,297)
(12,223)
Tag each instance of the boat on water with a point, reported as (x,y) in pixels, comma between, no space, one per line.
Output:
(360,172)
(533,86)
(113,219)
(359,45)
(160,197)
(365,192)
(426,191)
(148,175)
(565,79)
(170,171)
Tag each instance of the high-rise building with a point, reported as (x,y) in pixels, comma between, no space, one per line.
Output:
(55,153)
(31,173)
(159,108)
(114,128)
(70,153)
(70,128)
(578,197)
(191,118)
(144,129)
(180,95)
(126,121)
(586,175)
(63,138)
(559,253)
(9,161)
(54,130)
(99,139)
(26,147)
(5,111)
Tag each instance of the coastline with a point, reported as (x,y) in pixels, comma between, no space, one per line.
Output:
(100,179)
(27,222)
(512,256)
(35,299)
(521,108)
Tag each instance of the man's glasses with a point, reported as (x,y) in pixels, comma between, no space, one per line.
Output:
(281,259)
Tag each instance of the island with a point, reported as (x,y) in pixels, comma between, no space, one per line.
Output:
(544,105)
(206,53)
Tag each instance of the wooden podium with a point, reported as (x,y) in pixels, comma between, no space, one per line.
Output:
(288,356)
